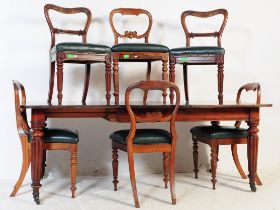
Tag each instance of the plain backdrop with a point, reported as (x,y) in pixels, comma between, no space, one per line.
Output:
(251,40)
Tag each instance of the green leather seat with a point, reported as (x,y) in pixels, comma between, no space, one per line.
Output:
(139,47)
(59,136)
(198,51)
(143,136)
(218,132)
(82,48)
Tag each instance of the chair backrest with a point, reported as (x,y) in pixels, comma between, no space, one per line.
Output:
(138,116)
(55,31)
(130,34)
(247,87)
(207,14)
(21,117)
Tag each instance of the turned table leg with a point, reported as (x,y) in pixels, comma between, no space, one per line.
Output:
(252,152)
(38,125)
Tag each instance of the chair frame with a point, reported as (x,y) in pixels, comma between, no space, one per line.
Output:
(148,57)
(196,59)
(216,142)
(23,130)
(73,57)
(168,150)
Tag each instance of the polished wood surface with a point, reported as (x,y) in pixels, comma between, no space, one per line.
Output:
(214,143)
(135,56)
(168,149)
(28,150)
(200,59)
(187,112)
(83,58)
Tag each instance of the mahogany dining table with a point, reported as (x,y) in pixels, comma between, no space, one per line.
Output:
(188,112)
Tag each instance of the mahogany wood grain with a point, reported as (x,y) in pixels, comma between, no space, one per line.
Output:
(198,59)
(135,56)
(215,142)
(36,146)
(83,58)
(168,150)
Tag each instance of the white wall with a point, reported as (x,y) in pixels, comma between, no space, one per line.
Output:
(252,49)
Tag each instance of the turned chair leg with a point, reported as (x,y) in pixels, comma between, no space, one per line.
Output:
(165,168)
(51,81)
(172,175)
(116,80)
(115,166)
(213,165)
(73,172)
(148,77)
(195,157)
(236,161)
(24,167)
(59,81)
(132,179)
(220,80)
(86,83)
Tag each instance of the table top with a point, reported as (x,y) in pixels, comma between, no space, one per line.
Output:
(198,104)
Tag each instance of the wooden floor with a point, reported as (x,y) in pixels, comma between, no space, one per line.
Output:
(96,192)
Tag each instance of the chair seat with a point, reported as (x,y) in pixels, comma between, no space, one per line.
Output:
(139,47)
(143,136)
(82,48)
(218,132)
(59,136)
(197,51)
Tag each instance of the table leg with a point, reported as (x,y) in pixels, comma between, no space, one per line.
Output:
(38,125)
(252,151)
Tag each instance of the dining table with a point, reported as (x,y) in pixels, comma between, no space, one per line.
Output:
(188,112)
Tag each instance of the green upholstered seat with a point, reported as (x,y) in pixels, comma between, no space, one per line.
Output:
(143,136)
(218,132)
(82,48)
(139,47)
(59,136)
(197,51)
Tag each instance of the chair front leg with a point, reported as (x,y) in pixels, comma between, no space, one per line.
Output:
(195,157)
(172,63)
(108,78)
(164,77)
(165,168)
(73,171)
(213,165)
(115,166)
(60,60)
(220,78)
(116,79)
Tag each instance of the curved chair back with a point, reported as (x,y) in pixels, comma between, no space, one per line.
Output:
(21,117)
(152,116)
(207,14)
(63,10)
(248,87)
(130,34)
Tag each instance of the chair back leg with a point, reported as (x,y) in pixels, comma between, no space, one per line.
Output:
(132,178)
(86,83)
(24,167)
(148,77)
(51,81)
(236,161)
(172,176)
(73,171)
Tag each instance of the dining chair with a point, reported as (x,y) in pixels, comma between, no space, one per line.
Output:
(75,52)
(54,139)
(136,52)
(216,135)
(136,140)
(199,55)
